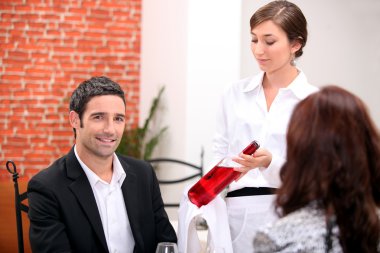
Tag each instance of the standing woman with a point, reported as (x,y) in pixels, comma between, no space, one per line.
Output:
(258,108)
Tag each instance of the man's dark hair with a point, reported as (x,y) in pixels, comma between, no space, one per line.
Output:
(95,86)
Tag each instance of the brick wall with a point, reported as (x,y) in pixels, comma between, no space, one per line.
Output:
(47,49)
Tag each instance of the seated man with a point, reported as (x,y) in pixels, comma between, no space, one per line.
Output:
(92,200)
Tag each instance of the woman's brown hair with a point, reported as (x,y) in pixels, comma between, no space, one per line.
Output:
(287,16)
(333,158)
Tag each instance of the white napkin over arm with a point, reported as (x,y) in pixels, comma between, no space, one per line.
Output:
(215,213)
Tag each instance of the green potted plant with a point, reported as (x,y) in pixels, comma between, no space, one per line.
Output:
(137,142)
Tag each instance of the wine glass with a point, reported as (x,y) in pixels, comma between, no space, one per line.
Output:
(167,247)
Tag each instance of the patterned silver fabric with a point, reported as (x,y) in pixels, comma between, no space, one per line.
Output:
(301,231)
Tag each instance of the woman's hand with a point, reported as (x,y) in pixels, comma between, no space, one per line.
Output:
(261,158)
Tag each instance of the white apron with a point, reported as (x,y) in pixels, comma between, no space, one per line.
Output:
(245,215)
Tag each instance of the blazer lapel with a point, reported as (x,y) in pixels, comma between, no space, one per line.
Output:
(81,188)
(131,199)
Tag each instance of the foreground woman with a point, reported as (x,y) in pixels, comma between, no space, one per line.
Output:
(330,197)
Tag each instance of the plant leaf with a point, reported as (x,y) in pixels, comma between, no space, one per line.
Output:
(134,143)
(152,143)
(152,111)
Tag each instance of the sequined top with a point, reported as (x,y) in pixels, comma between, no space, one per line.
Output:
(301,231)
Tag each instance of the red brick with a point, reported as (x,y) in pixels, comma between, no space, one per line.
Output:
(97,35)
(50,17)
(103,50)
(6,132)
(98,19)
(38,75)
(7,16)
(114,44)
(19,25)
(43,163)
(51,101)
(47,125)
(39,8)
(34,33)
(36,110)
(17,140)
(30,132)
(23,8)
(31,172)
(30,16)
(118,30)
(73,33)
(13,61)
(53,33)
(84,65)
(89,43)
(6,102)
(34,156)
(85,49)
(62,49)
(78,10)
(97,27)
(7,7)
(36,79)
(18,54)
(100,12)
(32,47)
(63,110)
(3,110)
(13,154)
(62,142)
(11,77)
(31,118)
(14,68)
(79,26)
(43,148)
(62,133)
(8,46)
(36,25)
(73,18)
(37,71)
(52,117)
(88,3)
(116,5)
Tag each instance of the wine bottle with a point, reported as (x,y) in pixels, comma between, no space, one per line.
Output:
(218,178)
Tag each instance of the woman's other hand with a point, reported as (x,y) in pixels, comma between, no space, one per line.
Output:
(261,158)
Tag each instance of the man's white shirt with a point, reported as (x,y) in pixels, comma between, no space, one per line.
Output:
(110,201)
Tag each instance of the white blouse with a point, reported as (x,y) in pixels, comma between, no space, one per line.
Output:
(243,117)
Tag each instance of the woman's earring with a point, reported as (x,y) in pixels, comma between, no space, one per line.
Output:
(293,60)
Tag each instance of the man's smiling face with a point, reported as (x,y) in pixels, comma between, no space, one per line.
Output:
(102,125)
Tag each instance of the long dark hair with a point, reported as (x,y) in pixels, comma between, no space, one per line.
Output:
(333,157)
(286,15)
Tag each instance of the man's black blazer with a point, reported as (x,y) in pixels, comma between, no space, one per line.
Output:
(64,216)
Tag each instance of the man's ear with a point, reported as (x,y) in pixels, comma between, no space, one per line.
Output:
(74,119)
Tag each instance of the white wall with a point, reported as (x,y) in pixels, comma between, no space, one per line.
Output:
(197,47)
(213,62)
(163,62)
(343,47)
(193,48)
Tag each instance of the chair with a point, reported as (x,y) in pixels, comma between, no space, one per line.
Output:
(19,206)
(199,172)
